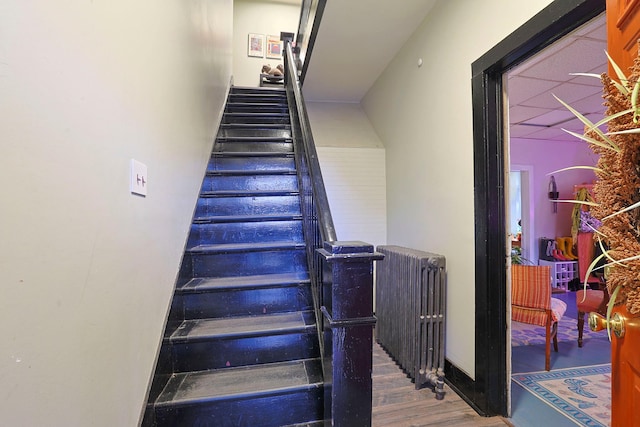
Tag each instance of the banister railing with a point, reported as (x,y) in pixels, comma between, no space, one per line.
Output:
(341,279)
(310,16)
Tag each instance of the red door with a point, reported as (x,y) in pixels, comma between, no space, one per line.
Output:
(623,32)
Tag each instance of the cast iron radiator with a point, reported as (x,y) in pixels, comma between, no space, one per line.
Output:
(410,307)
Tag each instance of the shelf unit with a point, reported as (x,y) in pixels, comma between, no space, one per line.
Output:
(562,272)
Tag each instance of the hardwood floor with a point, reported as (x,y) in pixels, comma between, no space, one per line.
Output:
(397,403)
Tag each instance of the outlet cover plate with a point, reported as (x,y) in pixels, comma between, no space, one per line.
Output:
(138,181)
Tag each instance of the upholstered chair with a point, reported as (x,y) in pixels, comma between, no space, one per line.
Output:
(531,302)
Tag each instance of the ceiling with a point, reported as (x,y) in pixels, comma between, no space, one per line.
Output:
(533,111)
(337,73)
(349,55)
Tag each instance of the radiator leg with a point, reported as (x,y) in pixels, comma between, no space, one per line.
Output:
(440,385)
(436,379)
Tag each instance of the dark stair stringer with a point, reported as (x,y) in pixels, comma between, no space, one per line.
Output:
(241,347)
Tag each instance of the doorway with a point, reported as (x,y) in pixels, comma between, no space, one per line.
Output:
(536,123)
(552,23)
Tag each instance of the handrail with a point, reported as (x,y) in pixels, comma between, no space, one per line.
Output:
(310,16)
(327,229)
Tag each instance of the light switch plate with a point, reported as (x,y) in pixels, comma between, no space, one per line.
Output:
(138,181)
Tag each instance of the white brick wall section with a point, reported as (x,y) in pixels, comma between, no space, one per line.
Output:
(355,182)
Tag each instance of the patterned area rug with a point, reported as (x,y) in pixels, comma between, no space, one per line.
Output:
(581,394)
(525,334)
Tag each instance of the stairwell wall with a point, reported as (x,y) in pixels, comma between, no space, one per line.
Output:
(266,17)
(353,169)
(87,269)
(423,115)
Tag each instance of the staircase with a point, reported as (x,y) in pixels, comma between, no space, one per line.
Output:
(241,346)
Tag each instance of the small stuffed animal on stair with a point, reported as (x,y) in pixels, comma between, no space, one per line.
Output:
(275,72)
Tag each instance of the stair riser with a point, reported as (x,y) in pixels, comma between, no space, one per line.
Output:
(250,205)
(249,119)
(260,146)
(258,98)
(217,353)
(272,411)
(246,302)
(249,263)
(254,132)
(252,95)
(245,232)
(265,107)
(227,163)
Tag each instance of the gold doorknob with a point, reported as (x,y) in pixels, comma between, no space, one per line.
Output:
(597,322)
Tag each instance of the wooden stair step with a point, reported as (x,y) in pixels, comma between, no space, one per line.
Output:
(242,327)
(246,247)
(204,284)
(241,382)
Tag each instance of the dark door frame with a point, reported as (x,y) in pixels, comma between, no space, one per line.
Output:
(488,392)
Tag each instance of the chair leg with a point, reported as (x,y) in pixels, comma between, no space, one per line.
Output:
(547,348)
(580,327)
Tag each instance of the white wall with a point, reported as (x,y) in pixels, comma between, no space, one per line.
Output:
(87,269)
(423,116)
(267,17)
(353,168)
(565,154)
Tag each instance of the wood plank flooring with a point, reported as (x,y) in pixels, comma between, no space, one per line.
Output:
(396,402)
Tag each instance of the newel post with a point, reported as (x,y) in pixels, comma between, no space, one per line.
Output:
(347,298)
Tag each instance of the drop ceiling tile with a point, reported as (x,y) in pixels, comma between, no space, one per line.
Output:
(568,92)
(551,134)
(578,57)
(521,131)
(520,88)
(595,29)
(590,104)
(574,125)
(551,118)
(519,113)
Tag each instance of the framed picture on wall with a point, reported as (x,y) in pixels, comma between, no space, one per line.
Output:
(256,45)
(274,47)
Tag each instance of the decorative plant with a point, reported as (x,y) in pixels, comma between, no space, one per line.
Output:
(617,188)
(517,258)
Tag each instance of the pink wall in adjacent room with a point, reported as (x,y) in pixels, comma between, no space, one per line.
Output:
(544,157)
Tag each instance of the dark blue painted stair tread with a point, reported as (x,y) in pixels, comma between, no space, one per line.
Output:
(251,154)
(252,163)
(253,114)
(240,193)
(246,218)
(242,282)
(255,146)
(253,105)
(255,125)
(241,382)
(254,131)
(242,327)
(250,138)
(240,172)
(246,247)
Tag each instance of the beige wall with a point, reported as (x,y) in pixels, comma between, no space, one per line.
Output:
(266,17)
(423,117)
(86,268)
